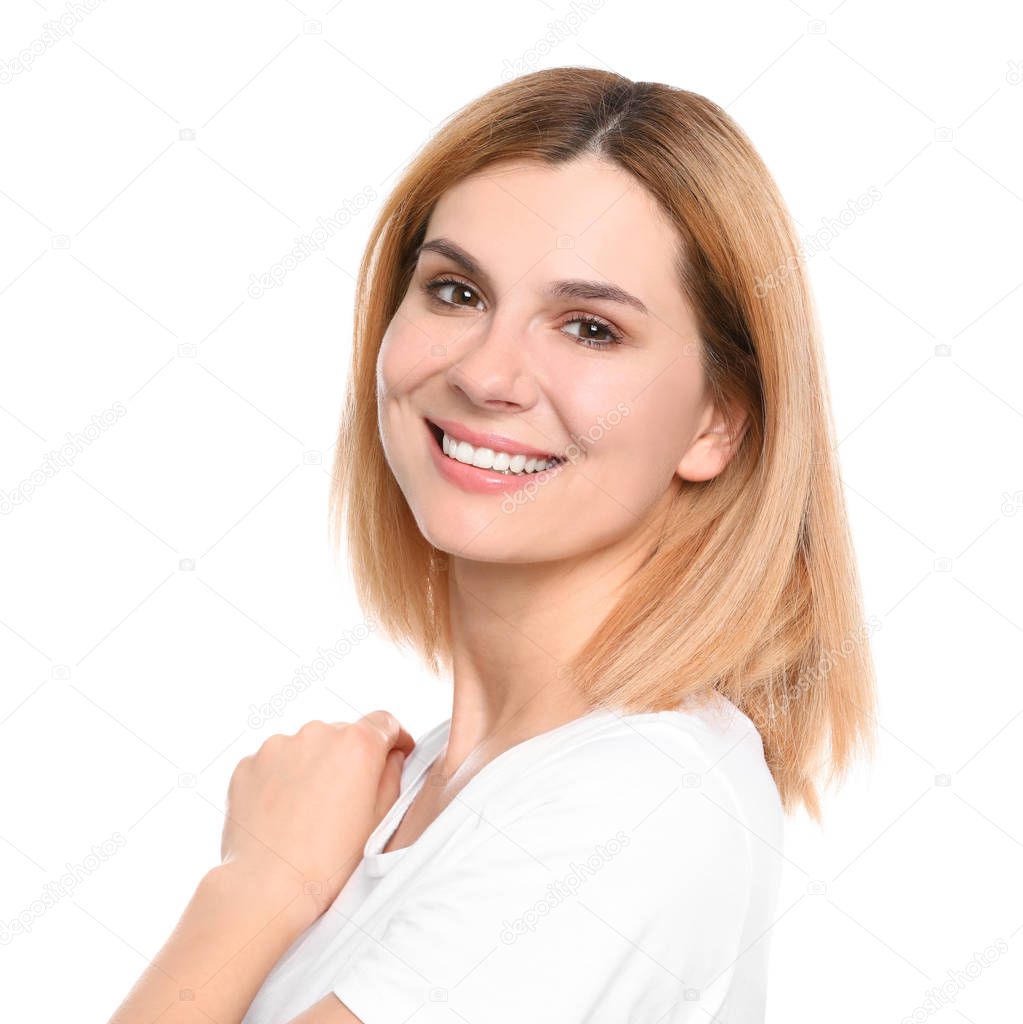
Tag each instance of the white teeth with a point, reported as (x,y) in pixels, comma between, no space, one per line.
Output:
(483,458)
(487,458)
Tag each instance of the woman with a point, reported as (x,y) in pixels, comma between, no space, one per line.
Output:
(586,466)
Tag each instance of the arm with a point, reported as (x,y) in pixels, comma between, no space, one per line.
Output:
(225,944)
(284,862)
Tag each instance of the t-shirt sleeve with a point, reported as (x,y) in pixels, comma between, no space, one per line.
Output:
(609,885)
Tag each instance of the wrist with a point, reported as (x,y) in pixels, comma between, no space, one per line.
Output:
(283,903)
(232,932)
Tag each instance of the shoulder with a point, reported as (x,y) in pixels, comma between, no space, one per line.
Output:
(713,748)
(682,786)
(620,839)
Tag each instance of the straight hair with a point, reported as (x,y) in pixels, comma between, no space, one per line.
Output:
(752,590)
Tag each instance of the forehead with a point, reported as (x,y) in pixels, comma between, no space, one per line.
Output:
(585,218)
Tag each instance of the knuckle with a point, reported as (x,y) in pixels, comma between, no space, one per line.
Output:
(271,745)
(382,722)
(365,733)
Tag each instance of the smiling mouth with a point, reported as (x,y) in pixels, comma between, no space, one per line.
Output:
(506,463)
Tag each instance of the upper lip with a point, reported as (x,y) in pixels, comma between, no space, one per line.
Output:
(480,439)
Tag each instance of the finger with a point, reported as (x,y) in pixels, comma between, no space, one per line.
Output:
(390,782)
(390,730)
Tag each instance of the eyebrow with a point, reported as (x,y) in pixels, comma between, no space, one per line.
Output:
(567,289)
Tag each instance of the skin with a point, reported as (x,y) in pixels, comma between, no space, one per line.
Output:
(527,586)
(283,863)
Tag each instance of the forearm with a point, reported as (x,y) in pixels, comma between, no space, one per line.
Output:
(227,941)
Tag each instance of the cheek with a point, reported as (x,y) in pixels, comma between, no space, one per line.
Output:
(665,417)
(673,406)
(401,348)
(400,369)
(635,420)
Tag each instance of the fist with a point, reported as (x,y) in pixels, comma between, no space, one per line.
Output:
(300,809)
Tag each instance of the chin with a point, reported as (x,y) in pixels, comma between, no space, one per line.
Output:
(487,536)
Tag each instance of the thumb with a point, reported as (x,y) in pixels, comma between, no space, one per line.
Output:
(390,780)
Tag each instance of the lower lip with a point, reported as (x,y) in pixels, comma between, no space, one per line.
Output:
(483,481)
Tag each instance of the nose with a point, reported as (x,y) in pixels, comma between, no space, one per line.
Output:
(492,367)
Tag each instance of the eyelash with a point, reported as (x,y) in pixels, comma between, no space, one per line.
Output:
(616,336)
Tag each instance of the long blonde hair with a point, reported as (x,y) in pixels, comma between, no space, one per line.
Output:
(753,589)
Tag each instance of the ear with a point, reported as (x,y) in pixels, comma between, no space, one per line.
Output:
(718,437)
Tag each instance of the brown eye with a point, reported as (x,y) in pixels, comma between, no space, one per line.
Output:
(461,293)
(591,330)
(594,332)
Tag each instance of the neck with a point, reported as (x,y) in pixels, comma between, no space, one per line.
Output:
(515,627)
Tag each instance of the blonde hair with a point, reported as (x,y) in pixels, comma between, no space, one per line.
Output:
(752,590)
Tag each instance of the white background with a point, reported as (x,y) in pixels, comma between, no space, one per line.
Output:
(127,255)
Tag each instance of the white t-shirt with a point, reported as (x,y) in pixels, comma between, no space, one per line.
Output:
(617,869)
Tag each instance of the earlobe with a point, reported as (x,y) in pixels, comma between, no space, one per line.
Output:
(708,455)
(705,459)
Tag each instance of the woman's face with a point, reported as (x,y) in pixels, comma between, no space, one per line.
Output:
(486,344)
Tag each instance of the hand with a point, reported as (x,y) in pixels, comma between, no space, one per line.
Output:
(300,810)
